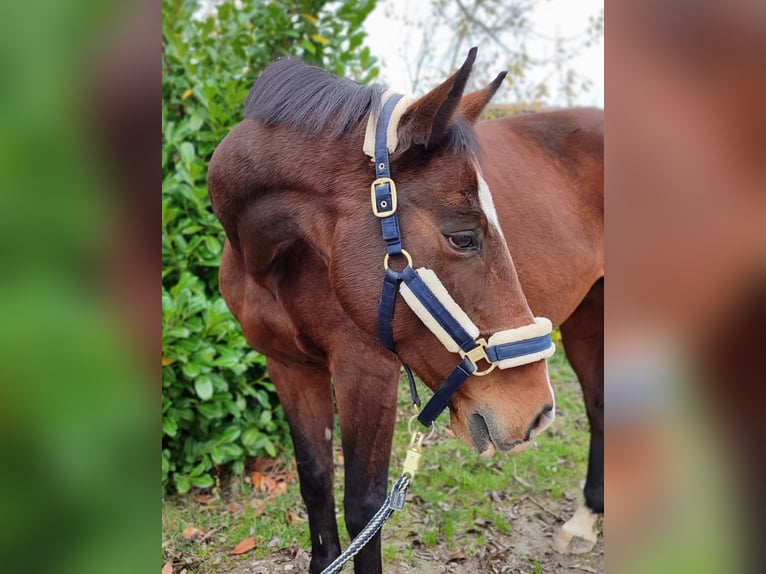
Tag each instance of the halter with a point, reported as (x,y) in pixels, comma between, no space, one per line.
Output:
(425,294)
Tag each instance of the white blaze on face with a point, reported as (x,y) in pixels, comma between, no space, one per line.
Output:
(488,207)
(485,199)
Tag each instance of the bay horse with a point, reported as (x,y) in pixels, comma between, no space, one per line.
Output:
(303,260)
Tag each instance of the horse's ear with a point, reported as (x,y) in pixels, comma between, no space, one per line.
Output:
(426,121)
(472,105)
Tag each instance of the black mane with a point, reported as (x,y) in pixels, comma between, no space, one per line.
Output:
(291,92)
(311,99)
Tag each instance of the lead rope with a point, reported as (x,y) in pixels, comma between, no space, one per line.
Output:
(394,501)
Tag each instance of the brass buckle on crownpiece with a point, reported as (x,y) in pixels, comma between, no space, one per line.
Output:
(386,210)
(479,353)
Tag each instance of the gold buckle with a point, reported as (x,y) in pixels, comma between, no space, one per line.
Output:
(387,210)
(479,353)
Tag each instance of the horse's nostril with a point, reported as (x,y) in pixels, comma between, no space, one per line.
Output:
(479,431)
(546,413)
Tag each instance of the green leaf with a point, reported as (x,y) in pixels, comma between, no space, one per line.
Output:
(179,333)
(186,152)
(191,370)
(169,426)
(200,469)
(204,481)
(309,47)
(210,410)
(213,244)
(182,483)
(250,437)
(270,448)
(229,435)
(203,386)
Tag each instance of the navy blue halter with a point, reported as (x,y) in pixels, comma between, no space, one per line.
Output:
(384,205)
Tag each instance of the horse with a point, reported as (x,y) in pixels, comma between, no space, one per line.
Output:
(507,215)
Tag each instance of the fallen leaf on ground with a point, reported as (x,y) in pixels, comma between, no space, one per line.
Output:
(245,546)
(270,485)
(167,568)
(233,507)
(456,557)
(204,498)
(280,488)
(194,534)
(260,507)
(292,517)
(257,478)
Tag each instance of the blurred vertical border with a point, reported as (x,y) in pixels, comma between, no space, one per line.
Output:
(686,295)
(79,306)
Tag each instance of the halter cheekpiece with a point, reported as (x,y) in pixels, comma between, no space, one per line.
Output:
(425,294)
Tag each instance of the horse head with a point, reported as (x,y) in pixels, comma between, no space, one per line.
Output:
(449,224)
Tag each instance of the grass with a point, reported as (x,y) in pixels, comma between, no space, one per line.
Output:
(455,495)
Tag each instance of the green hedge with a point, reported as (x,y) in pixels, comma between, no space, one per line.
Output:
(218,406)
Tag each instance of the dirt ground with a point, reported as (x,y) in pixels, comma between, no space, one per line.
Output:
(527,550)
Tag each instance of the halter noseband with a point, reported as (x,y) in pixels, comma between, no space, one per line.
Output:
(429,299)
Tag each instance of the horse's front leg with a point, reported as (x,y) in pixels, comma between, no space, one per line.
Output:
(365,392)
(306,396)
(583,337)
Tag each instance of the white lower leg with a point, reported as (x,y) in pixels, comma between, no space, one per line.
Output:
(578,535)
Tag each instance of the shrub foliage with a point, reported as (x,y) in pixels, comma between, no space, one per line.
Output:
(218,406)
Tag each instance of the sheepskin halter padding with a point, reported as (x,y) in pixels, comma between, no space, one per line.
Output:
(542,327)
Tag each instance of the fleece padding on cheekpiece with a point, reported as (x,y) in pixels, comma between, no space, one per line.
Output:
(440,292)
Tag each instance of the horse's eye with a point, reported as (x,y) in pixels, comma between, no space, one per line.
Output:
(462,241)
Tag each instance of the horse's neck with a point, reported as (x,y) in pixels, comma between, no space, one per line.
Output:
(272,189)
(273,223)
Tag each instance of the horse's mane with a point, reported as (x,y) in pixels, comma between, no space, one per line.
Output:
(293,93)
(308,98)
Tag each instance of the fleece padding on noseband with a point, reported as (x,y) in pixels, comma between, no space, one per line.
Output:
(542,327)
(440,292)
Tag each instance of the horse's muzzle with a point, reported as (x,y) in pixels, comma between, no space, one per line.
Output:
(488,437)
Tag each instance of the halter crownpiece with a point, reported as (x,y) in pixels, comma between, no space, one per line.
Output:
(425,294)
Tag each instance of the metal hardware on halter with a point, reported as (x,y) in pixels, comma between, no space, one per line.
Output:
(382,208)
(403,253)
(412,460)
(415,448)
(479,353)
